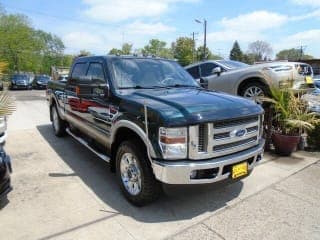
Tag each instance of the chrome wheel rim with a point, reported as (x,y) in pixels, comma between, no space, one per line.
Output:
(55,119)
(130,173)
(254,93)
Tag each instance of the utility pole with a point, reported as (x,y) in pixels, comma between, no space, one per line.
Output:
(205,37)
(205,40)
(301,50)
(194,46)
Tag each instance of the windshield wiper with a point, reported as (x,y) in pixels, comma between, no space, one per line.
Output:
(136,87)
(182,85)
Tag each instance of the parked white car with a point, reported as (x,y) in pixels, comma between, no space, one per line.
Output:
(251,80)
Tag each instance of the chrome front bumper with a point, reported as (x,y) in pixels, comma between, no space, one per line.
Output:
(180,172)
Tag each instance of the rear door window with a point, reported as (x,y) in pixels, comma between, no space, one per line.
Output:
(194,72)
(206,69)
(96,72)
(79,70)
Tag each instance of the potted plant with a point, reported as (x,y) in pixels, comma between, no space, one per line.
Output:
(291,119)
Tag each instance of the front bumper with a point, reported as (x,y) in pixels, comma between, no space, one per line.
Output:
(180,172)
(15,86)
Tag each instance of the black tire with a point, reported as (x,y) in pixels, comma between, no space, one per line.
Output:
(58,125)
(255,84)
(150,187)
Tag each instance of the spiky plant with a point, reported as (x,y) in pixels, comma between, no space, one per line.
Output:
(7,103)
(291,112)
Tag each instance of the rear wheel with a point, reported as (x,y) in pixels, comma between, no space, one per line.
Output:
(59,126)
(135,174)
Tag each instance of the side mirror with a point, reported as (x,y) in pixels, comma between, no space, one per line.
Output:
(93,90)
(217,70)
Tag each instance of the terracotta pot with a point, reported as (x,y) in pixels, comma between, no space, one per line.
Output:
(284,144)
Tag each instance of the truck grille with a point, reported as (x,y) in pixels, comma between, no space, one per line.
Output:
(224,137)
(202,137)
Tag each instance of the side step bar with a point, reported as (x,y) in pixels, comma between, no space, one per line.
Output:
(86,144)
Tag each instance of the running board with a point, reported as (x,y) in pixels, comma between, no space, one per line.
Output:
(86,144)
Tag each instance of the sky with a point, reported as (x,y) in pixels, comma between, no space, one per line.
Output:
(100,25)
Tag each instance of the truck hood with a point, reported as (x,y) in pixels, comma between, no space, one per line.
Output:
(184,106)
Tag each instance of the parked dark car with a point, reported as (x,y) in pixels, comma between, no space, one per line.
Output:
(20,81)
(5,170)
(40,82)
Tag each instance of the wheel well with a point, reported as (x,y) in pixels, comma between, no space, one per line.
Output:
(251,80)
(123,134)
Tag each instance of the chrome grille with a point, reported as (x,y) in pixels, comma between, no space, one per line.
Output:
(223,137)
(202,137)
(236,122)
(234,144)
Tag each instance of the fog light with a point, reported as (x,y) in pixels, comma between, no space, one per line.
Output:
(193,174)
(259,157)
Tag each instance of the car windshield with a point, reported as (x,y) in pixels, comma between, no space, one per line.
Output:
(150,73)
(20,77)
(42,78)
(230,64)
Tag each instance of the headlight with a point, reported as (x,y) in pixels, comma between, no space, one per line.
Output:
(173,142)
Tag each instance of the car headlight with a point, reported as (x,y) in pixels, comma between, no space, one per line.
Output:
(173,142)
(39,82)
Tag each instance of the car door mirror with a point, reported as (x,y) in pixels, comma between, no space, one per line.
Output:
(217,70)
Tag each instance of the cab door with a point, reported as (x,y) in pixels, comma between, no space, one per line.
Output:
(96,107)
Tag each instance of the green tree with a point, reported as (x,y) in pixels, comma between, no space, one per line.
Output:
(249,58)
(27,49)
(115,51)
(18,44)
(84,53)
(182,50)
(158,48)
(210,55)
(126,49)
(236,53)
(51,53)
(292,54)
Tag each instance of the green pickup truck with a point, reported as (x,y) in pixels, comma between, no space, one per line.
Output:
(154,124)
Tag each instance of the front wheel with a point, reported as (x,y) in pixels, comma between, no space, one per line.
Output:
(135,175)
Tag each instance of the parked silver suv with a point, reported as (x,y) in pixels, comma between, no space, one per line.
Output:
(251,80)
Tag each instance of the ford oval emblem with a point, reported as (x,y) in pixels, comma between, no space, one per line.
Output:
(240,132)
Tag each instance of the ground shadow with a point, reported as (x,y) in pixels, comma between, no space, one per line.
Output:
(179,202)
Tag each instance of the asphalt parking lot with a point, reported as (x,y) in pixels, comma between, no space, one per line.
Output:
(63,191)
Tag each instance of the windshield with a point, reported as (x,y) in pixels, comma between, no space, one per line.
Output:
(150,73)
(42,78)
(230,64)
(20,77)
